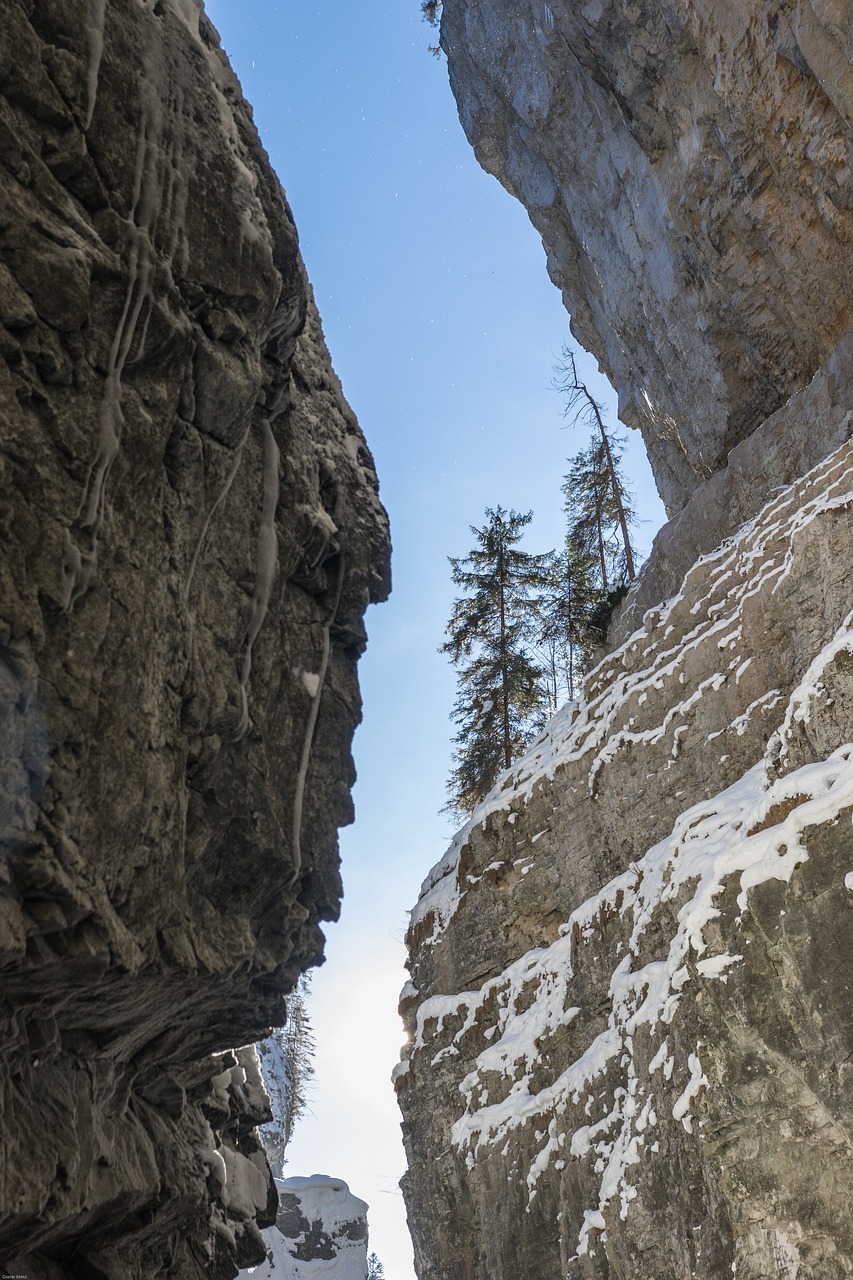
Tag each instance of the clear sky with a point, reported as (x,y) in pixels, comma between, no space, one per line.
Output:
(444,329)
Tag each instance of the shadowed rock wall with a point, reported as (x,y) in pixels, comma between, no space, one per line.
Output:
(191,533)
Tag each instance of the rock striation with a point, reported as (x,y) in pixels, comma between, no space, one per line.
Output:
(689,166)
(191,532)
(630,1041)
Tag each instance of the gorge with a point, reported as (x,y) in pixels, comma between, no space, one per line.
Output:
(630,1043)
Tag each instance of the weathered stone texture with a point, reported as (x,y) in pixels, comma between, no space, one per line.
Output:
(689,166)
(631,1038)
(191,533)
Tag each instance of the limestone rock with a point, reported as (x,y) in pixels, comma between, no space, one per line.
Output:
(689,166)
(191,533)
(629,1010)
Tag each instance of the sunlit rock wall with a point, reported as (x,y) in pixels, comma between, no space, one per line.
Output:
(190,535)
(630,1042)
(689,166)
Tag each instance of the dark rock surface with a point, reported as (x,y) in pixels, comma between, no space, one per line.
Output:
(190,535)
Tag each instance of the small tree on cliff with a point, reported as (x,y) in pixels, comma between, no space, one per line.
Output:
(598,502)
(501,695)
(567,603)
(375,1269)
(594,517)
(431,13)
(287,1067)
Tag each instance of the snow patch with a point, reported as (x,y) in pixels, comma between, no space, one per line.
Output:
(698,1080)
(711,842)
(328,1204)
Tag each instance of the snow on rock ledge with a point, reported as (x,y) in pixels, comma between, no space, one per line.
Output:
(320,1230)
(630,1042)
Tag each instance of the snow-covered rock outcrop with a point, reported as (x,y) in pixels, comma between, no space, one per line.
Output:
(191,532)
(629,1006)
(320,1230)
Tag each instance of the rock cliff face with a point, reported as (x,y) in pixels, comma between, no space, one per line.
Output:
(689,166)
(631,1048)
(191,533)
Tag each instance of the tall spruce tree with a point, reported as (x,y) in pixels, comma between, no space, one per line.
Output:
(500,685)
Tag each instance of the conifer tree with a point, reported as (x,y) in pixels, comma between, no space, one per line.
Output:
(603,493)
(567,602)
(286,1061)
(593,515)
(498,707)
(375,1269)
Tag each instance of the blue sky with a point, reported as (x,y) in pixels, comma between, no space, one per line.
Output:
(444,329)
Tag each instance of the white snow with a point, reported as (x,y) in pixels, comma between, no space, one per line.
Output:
(658,1060)
(327,1201)
(710,842)
(310,681)
(400,1069)
(697,1081)
(715,966)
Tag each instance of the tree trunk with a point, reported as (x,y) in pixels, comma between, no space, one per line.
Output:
(601,555)
(617,491)
(504,690)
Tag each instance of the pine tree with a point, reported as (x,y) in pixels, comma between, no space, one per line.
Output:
(567,603)
(604,488)
(500,686)
(286,1060)
(375,1269)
